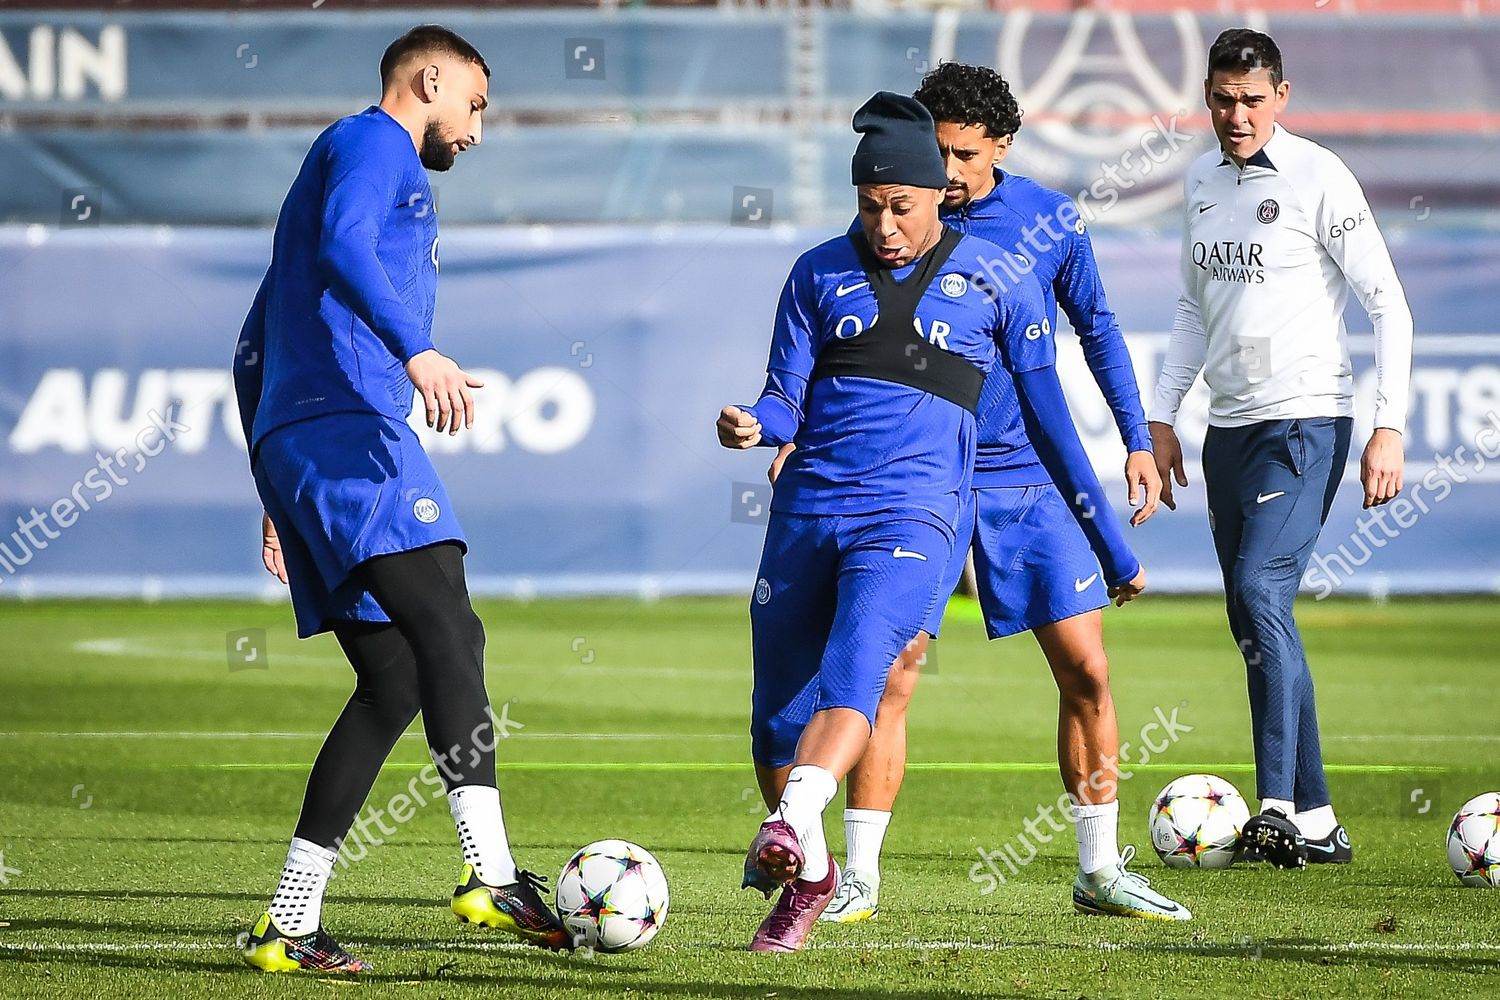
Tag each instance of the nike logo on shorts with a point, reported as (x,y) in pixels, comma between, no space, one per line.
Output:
(843,290)
(901,553)
(1205,208)
(1081,585)
(1263,497)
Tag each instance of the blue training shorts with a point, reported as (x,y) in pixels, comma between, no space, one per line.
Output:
(1033,562)
(837,598)
(341,489)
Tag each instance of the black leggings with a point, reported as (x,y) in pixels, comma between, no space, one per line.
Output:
(429,658)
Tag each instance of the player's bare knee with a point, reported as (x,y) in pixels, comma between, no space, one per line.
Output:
(1084,679)
(900,685)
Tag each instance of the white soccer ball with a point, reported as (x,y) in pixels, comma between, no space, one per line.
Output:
(1196,822)
(612,896)
(1474,842)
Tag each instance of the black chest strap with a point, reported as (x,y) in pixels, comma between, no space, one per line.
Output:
(892,350)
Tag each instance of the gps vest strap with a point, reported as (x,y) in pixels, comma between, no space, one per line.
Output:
(891,350)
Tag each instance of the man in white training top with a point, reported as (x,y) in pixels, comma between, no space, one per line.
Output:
(1276,234)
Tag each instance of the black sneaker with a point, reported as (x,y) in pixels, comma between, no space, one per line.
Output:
(1274,839)
(1333,849)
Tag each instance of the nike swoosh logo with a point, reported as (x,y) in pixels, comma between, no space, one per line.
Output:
(843,289)
(886,167)
(1205,208)
(1319,847)
(1169,907)
(1082,585)
(1263,497)
(901,553)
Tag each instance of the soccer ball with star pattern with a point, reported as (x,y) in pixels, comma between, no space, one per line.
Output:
(1196,822)
(1474,842)
(612,896)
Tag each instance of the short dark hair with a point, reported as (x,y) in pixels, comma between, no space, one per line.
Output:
(970,95)
(1245,50)
(428,39)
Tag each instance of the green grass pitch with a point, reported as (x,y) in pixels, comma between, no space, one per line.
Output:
(149,791)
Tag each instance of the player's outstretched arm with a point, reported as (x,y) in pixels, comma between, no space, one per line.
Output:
(1050,427)
(777,415)
(1029,352)
(1080,293)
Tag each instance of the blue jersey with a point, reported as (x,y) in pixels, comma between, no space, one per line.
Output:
(866,445)
(349,295)
(1043,234)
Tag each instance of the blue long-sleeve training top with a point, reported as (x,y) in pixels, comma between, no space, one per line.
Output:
(349,296)
(856,438)
(1045,236)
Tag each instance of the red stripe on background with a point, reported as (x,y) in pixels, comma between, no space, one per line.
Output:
(1390,122)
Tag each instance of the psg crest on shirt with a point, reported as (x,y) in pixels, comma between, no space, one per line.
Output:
(1268,211)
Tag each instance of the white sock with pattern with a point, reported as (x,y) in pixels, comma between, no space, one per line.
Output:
(481,833)
(297,907)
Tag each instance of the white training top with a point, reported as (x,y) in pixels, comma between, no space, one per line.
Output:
(1269,254)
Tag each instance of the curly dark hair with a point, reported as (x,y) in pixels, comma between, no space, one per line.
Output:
(970,95)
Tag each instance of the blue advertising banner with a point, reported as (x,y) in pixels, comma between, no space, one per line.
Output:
(607,353)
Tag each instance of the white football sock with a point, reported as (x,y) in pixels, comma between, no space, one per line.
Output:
(864,830)
(809,789)
(1285,805)
(1316,824)
(1096,828)
(481,833)
(297,906)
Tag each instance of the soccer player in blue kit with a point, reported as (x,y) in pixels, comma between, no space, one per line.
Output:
(356,519)
(1043,565)
(882,342)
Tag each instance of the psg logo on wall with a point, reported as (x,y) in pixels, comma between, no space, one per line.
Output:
(1268,211)
(1113,88)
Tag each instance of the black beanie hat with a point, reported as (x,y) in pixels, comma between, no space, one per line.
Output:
(898,144)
